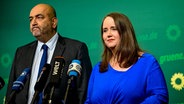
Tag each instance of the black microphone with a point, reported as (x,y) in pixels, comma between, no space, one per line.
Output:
(74,70)
(18,85)
(57,71)
(59,63)
(40,84)
(1,83)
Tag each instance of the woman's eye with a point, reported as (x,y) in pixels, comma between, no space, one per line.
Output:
(113,28)
(104,30)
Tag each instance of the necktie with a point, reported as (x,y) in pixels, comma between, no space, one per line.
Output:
(43,59)
(42,63)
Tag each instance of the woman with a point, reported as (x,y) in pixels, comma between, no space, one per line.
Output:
(126,74)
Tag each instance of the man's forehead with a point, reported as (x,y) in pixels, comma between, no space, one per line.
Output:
(39,9)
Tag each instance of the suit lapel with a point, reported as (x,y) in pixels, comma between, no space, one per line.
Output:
(30,53)
(29,62)
(59,49)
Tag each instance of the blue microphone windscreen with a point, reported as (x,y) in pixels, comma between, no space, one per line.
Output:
(73,73)
(76,61)
(21,80)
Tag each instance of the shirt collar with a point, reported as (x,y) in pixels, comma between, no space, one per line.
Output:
(50,43)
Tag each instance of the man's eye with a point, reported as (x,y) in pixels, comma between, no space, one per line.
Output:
(40,17)
(30,19)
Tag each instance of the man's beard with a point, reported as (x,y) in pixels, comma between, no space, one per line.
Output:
(37,32)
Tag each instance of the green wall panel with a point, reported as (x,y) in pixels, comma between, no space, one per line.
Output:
(158,24)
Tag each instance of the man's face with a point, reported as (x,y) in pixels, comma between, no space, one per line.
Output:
(40,23)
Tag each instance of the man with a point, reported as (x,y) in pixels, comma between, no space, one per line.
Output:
(43,25)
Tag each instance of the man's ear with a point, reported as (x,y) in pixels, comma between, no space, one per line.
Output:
(54,22)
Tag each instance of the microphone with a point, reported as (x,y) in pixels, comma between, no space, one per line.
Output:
(74,70)
(40,84)
(1,83)
(42,79)
(59,63)
(57,71)
(18,85)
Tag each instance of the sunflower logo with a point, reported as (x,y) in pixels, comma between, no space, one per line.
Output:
(173,32)
(177,81)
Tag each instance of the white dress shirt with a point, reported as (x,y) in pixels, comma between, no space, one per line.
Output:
(36,63)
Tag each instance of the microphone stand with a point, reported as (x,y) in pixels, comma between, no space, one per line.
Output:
(51,93)
(11,96)
(67,89)
(35,97)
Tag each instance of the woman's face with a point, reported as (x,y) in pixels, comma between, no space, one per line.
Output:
(110,34)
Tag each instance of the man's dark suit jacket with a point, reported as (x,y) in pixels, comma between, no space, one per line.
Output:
(68,48)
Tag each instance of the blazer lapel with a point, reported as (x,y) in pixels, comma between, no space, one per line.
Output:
(60,47)
(31,52)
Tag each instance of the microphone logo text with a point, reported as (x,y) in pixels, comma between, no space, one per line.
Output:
(56,68)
